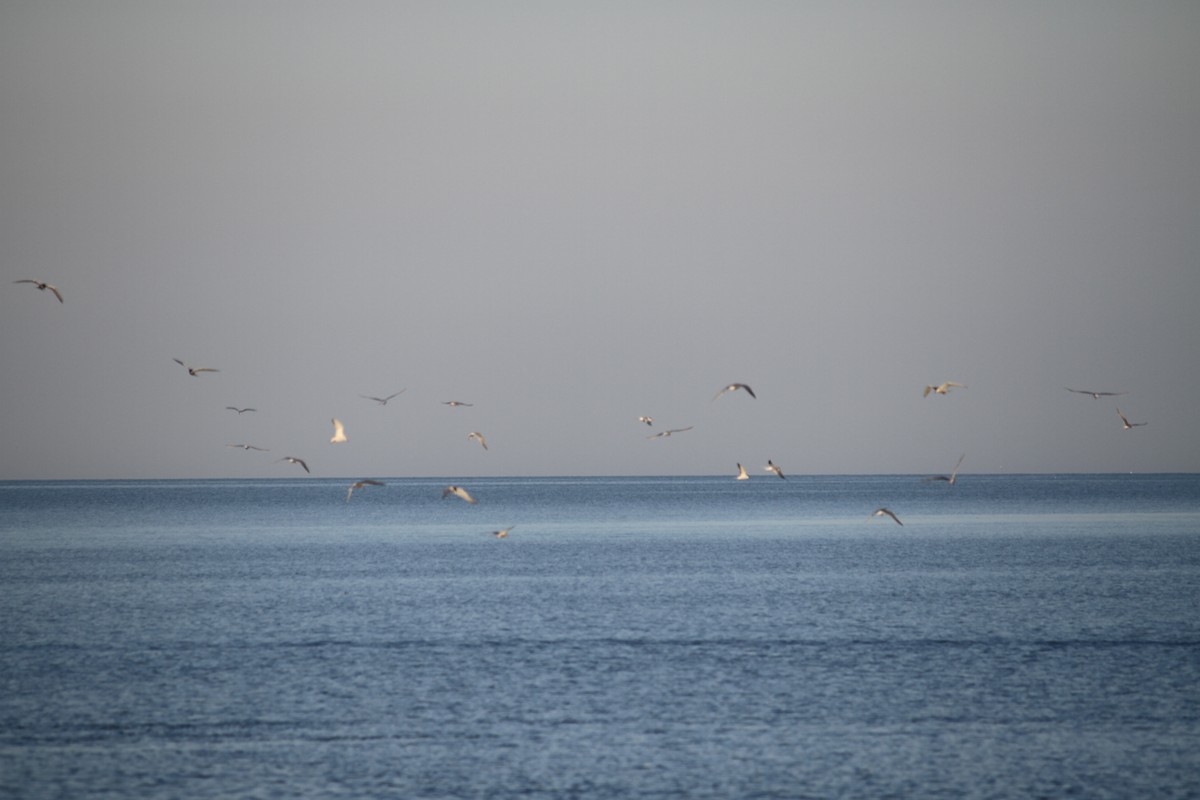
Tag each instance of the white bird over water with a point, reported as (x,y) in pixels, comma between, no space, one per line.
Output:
(383,400)
(43,286)
(662,434)
(460,492)
(360,485)
(339,432)
(943,388)
(952,478)
(292,460)
(1095,395)
(742,475)
(647,420)
(1127,423)
(879,512)
(503,532)
(733,387)
(772,467)
(194,371)
(249,447)
(477,436)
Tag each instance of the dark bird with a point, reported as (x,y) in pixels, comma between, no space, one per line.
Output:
(1127,423)
(943,388)
(503,532)
(43,286)
(455,403)
(240,410)
(249,447)
(734,387)
(661,434)
(360,485)
(383,400)
(952,478)
(771,467)
(879,512)
(194,371)
(458,491)
(291,460)
(1095,395)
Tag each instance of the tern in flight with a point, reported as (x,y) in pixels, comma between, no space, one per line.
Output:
(460,492)
(292,460)
(477,436)
(455,403)
(249,447)
(383,400)
(742,476)
(43,286)
(952,478)
(647,420)
(240,410)
(733,387)
(194,371)
(339,432)
(1095,395)
(359,485)
(1127,423)
(503,532)
(879,512)
(942,388)
(772,467)
(662,434)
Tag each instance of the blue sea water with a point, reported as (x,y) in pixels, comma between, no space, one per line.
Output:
(1018,636)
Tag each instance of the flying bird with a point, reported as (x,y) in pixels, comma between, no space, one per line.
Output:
(42,285)
(734,387)
(477,436)
(249,447)
(455,403)
(772,467)
(742,476)
(1095,395)
(942,388)
(879,512)
(359,485)
(503,532)
(240,410)
(1127,423)
(339,432)
(291,460)
(647,420)
(661,434)
(952,478)
(458,491)
(383,400)
(194,371)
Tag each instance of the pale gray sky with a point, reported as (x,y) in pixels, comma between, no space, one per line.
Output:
(574,214)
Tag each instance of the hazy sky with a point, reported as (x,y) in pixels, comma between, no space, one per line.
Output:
(573,214)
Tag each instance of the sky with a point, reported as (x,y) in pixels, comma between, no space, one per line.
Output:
(574,214)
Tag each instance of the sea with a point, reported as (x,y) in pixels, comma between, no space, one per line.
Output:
(1023,636)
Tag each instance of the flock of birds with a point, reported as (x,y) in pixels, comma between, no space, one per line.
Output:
(339,430)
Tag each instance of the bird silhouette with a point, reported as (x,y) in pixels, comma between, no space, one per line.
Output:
(772,467)
(360,485)
(292,460)
(663,434)
(1095,395)
(339,432)
(943,388)
(879,512)
(459,492)
(742,476)
(194,371)
(952,478)
(1125,422)
(647,420)
(240,411)
(383,400)
(455,403)
(42,285)
(249,447)
(503,532)
(734,387)
(477,436)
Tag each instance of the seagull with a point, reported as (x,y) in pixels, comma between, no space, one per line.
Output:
(1127,423)
(942,389)
(240,410)
(734,387)
(879,512)
(43,286)
(742,476)
(458,491)
(291,460)
(194,371)
(647,420)
(249,447)
(455,403)
(359,485)
(1095,395)
(661,434)
(477,436)
(339,432)
(383,400)
(503,532)
(952,478)
(771,467)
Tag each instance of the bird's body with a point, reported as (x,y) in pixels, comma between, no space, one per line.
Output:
(1126,423)
(879,512)
(647,420)
(292,460)
(734,387)
(503,532)
(194,371)
(952,478)
(240,411)
(943,388)
(773,467)
(359,485)
(663,434)
(339,432)
(477,436)
(1095,395)
(383,400)
(249,447)
(43,286)
(459,492)
(455,403)
(742,475)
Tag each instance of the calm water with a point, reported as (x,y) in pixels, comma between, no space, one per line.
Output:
(1019,636)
